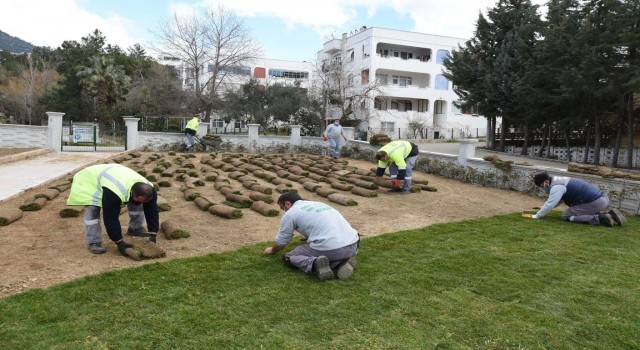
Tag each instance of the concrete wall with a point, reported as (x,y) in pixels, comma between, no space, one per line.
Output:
(23,136)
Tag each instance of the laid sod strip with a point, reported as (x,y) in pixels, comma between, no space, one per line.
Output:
(265,209)
(428,188)
(172,230)
(33,204)
(258,196)
(71,211)
(341,199)
(61,187)
(225,211)
(363,192)
(49,194)
(202,203)
(163,204)
(9,215)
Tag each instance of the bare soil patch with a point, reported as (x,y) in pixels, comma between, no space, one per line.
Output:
(11,151)
(42,249)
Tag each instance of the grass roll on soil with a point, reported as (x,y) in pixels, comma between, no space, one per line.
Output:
(9,215)
(259,196)
(33,204)
(225,211)
(262,189)
(202,203)
(49,193)
(243,201)
(191,194)
(311,186)
(341,199)
(282,188)
(163,204)
(325,191)
(150,250)
(71,211)
(173,231)
(428,188)
(364,192)
(342,186)
(265,209)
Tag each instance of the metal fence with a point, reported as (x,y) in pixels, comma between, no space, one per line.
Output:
(425,133)
(87,137)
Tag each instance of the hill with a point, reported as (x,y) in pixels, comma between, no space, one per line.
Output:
(13,44)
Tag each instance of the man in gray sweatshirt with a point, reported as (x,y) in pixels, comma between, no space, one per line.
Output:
(331,241)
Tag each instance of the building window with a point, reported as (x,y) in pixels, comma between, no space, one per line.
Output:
(440,107)
(217,123)
(364,76)
(278,73)
(442,83)
(442,54)
(381,79)
(239,125)
(380,104)
(455,107)
(352,56)
(234,70)
(401,80)
(404,105)
(387,127)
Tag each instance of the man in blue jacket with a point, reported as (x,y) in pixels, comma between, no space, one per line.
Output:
(587,204)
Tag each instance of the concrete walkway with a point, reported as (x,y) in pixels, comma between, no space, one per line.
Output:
(452,148)
(25,172)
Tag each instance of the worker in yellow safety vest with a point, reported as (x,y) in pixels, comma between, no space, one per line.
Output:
(191,129)
(401,157)
(109,187)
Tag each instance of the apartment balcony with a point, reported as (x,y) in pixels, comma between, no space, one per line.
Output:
(409,91)
(399,64)
(332,46)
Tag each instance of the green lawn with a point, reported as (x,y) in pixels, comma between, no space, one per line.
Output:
(497,283)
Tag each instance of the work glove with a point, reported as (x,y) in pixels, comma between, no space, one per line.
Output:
(324,138)
(122,247)
(152,237)
(397,183)
(530,216)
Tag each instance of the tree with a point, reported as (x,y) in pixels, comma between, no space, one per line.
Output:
(105,82)
(207,44)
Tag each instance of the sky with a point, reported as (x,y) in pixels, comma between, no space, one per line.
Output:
(286,29)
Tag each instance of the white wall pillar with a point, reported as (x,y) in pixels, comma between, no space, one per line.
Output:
(349,132)
(466,150)
(54,131)
(254,136)
(203,129)
(295,139)
(133,136)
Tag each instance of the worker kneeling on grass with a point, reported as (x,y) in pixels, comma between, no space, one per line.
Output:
(401,157)
(109,187)
(331,241)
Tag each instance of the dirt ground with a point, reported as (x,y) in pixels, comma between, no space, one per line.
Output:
(42,249)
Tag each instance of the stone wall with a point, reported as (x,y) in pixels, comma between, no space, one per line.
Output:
(23,136)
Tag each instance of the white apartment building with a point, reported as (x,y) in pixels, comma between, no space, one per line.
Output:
(266,71)
(407,68)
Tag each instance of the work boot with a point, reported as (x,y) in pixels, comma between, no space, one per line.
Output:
(97,248)
(617,216)
(345,270)
(138,232)
(605,219)
(322,269)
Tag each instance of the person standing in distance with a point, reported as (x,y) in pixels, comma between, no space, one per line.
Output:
(108,188)
(191,129)
(587,204)
(401,157)
(333,133)
(332,243)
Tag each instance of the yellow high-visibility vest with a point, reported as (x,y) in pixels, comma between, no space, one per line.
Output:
(397,152)
(193,124)
(87,185)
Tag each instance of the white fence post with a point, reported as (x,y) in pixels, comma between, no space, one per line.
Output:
(54,131)
(254,136)
(466,150)
(133,135)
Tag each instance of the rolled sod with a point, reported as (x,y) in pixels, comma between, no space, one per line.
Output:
(163,204)
(225,211)
(341,186)
(134,253)
(428,188)
(278,181)
(325,191)
(341,199)
(259,196)
(191,194)
(284,188)
(364,192)
(202,203)
(366,184)
(33,204)
(243,201)
(262,189)
(71,211)
(172,230)
(150,250)
(265,209)
(49,194)
(311,186)
(9,215)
